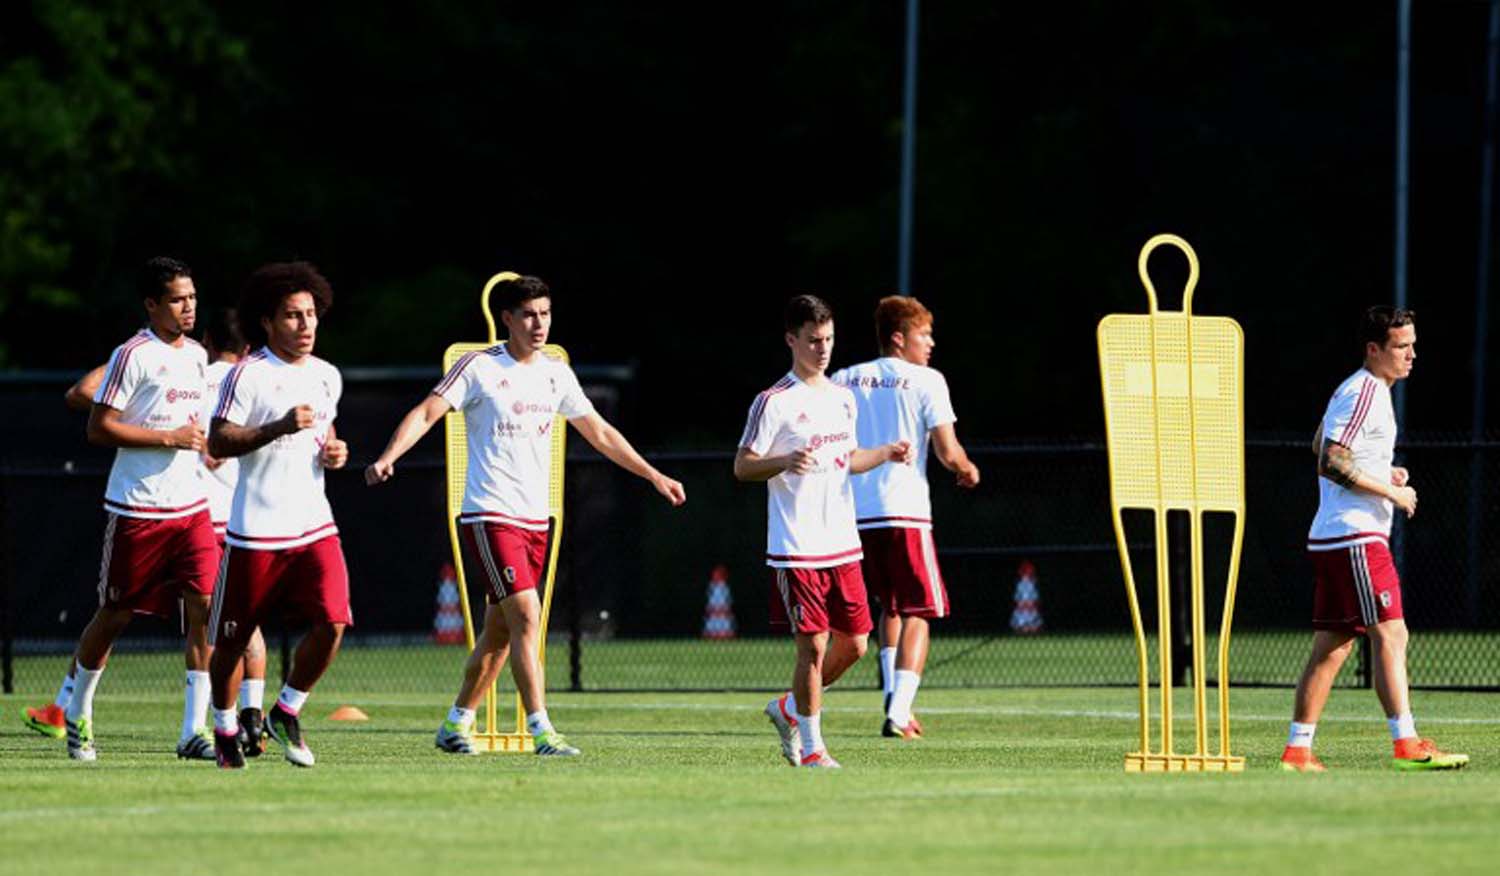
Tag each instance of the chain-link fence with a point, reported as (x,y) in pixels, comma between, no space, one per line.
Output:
(630,598)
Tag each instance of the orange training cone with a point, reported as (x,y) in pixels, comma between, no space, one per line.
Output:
(1026,617)
(448,623)
(718,614)
(348,713)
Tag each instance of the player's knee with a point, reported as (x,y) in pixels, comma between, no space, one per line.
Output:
(1389,634)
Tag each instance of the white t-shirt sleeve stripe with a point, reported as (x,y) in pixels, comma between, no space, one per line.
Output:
(117,376)
(758,436)
(451,378)
(1357,415)
(227,392)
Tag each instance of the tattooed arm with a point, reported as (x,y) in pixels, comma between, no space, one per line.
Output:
(1336,463)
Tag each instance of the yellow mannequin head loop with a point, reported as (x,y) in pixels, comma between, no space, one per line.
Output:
(1192,280)
(489,318)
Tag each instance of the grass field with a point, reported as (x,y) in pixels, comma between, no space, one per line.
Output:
(1020,780)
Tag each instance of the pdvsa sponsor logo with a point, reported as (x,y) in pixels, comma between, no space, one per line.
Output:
(817,441)
(175,395)
(520,407)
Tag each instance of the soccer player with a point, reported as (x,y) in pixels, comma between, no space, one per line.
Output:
(158,537)
(509,395)
(1357,591)
(282,553)
(224,346)
(900,398)
(800,438)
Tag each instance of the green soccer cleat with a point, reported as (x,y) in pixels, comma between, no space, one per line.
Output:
(455,738)
(199,746)
(48,721)
(552,744)
(1421,754)
(81,740)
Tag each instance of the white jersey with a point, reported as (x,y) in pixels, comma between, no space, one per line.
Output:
(278,501)
(218,483)
(809,517)
(897,401)
(509,409)
(1360,417)
(155,385)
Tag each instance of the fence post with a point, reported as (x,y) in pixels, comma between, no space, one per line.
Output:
(7,667)
(575,638)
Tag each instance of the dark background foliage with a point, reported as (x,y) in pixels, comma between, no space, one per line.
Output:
(675,171)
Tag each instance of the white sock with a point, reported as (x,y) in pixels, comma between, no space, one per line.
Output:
(902,697)
(811,729)
(226,722)
(538,722)
(888,670)
(291,699)
(253,694)
(461,716)
(81,704)
(194,704)
(64,693)
(1403,726)
(1301,735)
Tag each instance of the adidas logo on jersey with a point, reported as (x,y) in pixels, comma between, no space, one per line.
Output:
(802,417)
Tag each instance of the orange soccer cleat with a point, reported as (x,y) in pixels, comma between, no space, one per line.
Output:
(1301,760)
(48,721)
(1421,754)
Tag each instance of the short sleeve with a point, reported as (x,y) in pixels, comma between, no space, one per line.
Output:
(760,426)
(458,383)
(1346,412)
(236,395)
(121,377)
(572,403)
(336,387)
(937,406)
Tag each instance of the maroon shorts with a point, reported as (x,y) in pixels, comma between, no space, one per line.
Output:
(901,570)
(1356,587)
(149,564)
(510,559)
(817,600)
(309,583)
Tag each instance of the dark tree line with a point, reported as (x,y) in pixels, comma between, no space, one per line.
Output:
(676,170)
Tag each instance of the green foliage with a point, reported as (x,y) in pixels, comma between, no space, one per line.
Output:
(97,101)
